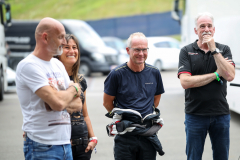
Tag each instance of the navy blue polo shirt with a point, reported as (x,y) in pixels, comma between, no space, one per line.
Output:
(134,90)
(211,98)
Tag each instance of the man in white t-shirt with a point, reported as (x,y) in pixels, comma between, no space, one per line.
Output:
(46,122)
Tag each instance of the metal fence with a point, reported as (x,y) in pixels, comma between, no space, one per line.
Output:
(158,24)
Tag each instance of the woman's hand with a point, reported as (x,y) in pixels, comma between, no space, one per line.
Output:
(91,145)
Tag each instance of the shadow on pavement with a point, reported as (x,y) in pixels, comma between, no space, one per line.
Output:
(235,117)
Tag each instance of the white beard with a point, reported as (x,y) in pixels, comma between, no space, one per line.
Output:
(59,51)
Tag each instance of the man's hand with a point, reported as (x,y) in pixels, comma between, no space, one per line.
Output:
(208,39)
(77,86)
(229,61)
(91,145)
(51,84)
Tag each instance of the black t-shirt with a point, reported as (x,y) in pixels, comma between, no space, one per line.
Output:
(211,98)
(79,126)
(134,90)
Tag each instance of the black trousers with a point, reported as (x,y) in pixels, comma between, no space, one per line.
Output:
(133,148)
(78,152)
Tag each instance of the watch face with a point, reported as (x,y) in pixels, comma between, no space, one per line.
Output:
(217,50)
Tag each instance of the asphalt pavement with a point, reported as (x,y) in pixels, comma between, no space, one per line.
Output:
(171,135)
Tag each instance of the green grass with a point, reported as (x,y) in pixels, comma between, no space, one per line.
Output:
(85,9)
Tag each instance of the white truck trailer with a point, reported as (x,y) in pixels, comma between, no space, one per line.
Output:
(227,31)
(3,51)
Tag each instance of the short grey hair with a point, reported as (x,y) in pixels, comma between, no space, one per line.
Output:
(129,40)
(203,14)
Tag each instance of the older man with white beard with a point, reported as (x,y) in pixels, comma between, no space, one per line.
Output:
(205,66)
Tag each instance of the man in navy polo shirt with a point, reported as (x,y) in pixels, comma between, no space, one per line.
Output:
(137,86)
(205,66)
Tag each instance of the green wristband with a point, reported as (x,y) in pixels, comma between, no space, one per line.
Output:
(217,76)
(76,89)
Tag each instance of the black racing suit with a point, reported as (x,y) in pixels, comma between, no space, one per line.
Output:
(135,133)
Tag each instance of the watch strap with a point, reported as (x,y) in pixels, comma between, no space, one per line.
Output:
(215,51)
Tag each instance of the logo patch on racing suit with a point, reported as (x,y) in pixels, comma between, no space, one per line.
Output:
(191,53)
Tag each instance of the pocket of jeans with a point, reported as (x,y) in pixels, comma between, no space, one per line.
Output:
(25,149)
(39,147)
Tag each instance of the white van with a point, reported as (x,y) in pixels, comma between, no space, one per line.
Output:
(95,55)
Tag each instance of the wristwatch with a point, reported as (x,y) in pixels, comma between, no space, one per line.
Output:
(216,51)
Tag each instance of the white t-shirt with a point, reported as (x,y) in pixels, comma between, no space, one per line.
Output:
(47,127)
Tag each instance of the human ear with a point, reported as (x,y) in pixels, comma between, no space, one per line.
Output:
(127,49)
(45,37)
(195,30)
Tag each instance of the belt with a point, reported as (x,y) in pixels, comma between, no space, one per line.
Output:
(80,141)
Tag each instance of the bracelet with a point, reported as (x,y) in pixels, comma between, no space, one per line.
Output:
(76,89)
(93,139)
(217,76)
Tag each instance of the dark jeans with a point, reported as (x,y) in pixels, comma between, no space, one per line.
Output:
(133,148)
(39,151)
(78,152)
(197,127)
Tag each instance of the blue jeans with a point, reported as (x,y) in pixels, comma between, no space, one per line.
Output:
(38,151)
(197,127)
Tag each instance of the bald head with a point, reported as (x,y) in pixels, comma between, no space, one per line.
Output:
(133,35)
(49,36)
(47,25)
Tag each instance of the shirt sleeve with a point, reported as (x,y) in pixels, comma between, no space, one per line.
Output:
(160,88)
(111,84)
(83,82)
(32,77)
(184,65)
(227,54)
